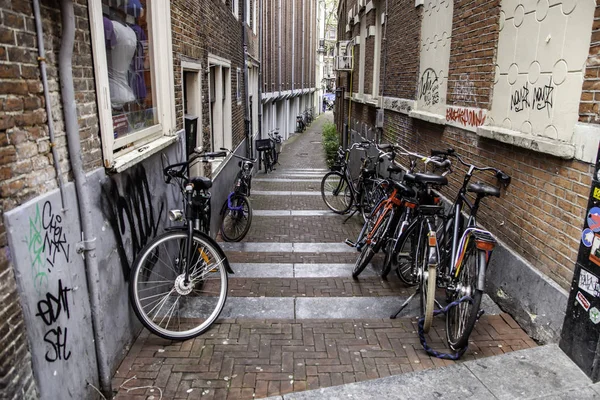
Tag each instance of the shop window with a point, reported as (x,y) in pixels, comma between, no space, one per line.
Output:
(135,96)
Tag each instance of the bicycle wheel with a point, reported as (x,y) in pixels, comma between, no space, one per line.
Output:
(461,319)
(391,245)
(405,255)
(376,241)
(372,193)
(163,302)
(237,219)
(336,193)
(427,284)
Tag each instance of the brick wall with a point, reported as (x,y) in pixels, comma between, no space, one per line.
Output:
(540,215)
(403,35)
(472,52)
(201,27)
(26,166)
(369,47)
(588,108)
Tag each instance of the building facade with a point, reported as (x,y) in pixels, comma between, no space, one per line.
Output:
(289,48)
(81,159)
(507,84)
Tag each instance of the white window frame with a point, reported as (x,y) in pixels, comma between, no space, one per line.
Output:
(248,12)
(220,127)
(152,139)
(254,16)
(376,54)
(238,86)
(235,8)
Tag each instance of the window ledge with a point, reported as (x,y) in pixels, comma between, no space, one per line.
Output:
(427,116)
(142,152)
(535,143)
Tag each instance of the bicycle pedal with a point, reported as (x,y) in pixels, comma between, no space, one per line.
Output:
(350,243)
(480,313)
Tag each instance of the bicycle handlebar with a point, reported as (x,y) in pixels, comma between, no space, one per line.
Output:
(238,156)
(499,174)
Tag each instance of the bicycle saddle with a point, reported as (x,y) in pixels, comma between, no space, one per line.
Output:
(430,179)
(201,183)
(483,189)
(405,191)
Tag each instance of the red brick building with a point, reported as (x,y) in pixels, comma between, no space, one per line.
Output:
(289,61)
(507,85)
(139,70)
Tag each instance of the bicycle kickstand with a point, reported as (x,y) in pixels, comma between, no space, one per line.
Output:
(403,306)
(351,215)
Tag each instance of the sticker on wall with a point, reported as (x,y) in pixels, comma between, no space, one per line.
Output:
(596,193)
(594,315)
(593,219)
(595,250)
(587,237)
(588,283)
(583,301)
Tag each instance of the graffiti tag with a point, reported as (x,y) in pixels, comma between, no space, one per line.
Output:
(465,116)
(131,211)
(49,309)
(538,98)
(429,87)
(464,90)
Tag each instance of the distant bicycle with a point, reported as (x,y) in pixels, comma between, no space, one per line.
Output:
(237,211)
(265,147)
(276,138)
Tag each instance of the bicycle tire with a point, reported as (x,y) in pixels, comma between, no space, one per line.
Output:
(372,193)
(428,297)
(196,307)
(333,185)
(370,249)
(238,220)
(391,247)
(461,319)
(405,256)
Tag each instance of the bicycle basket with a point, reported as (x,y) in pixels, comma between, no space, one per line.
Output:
(263,144)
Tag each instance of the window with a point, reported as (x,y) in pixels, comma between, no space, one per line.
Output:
(235,8)
(238,90)
(248,13)
(220,104)
(135,96)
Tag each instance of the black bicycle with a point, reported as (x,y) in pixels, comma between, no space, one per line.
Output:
(265,147)
(237,211)
(178,283)
(276,150)
(340,192)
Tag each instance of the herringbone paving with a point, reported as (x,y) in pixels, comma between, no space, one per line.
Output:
(245,358)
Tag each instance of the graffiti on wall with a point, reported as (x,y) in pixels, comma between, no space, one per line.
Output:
(464,90)
(131,213)
(429,87)
(49,309)
(47,244)
(534,98)
(467,117)
(398,105)
(48,248)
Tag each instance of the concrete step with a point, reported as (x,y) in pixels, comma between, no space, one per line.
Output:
(291,270)
(270,247)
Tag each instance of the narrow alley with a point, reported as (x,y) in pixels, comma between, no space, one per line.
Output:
(295,319)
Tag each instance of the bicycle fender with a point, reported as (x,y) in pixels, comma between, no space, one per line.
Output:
(208,239)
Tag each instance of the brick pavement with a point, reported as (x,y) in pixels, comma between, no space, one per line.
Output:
(244,359)
(249,358)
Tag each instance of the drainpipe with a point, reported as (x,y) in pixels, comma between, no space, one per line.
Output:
(87,246)
(260,67)
(42,60)
(303,48)
(293,44)
(279,52)
(246,94)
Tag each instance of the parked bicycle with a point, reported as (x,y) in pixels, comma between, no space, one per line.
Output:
(300,123)
(178,282)
(456,256)
(237,210)
(276,138)
(265,147)
(340,192)
(394,212)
